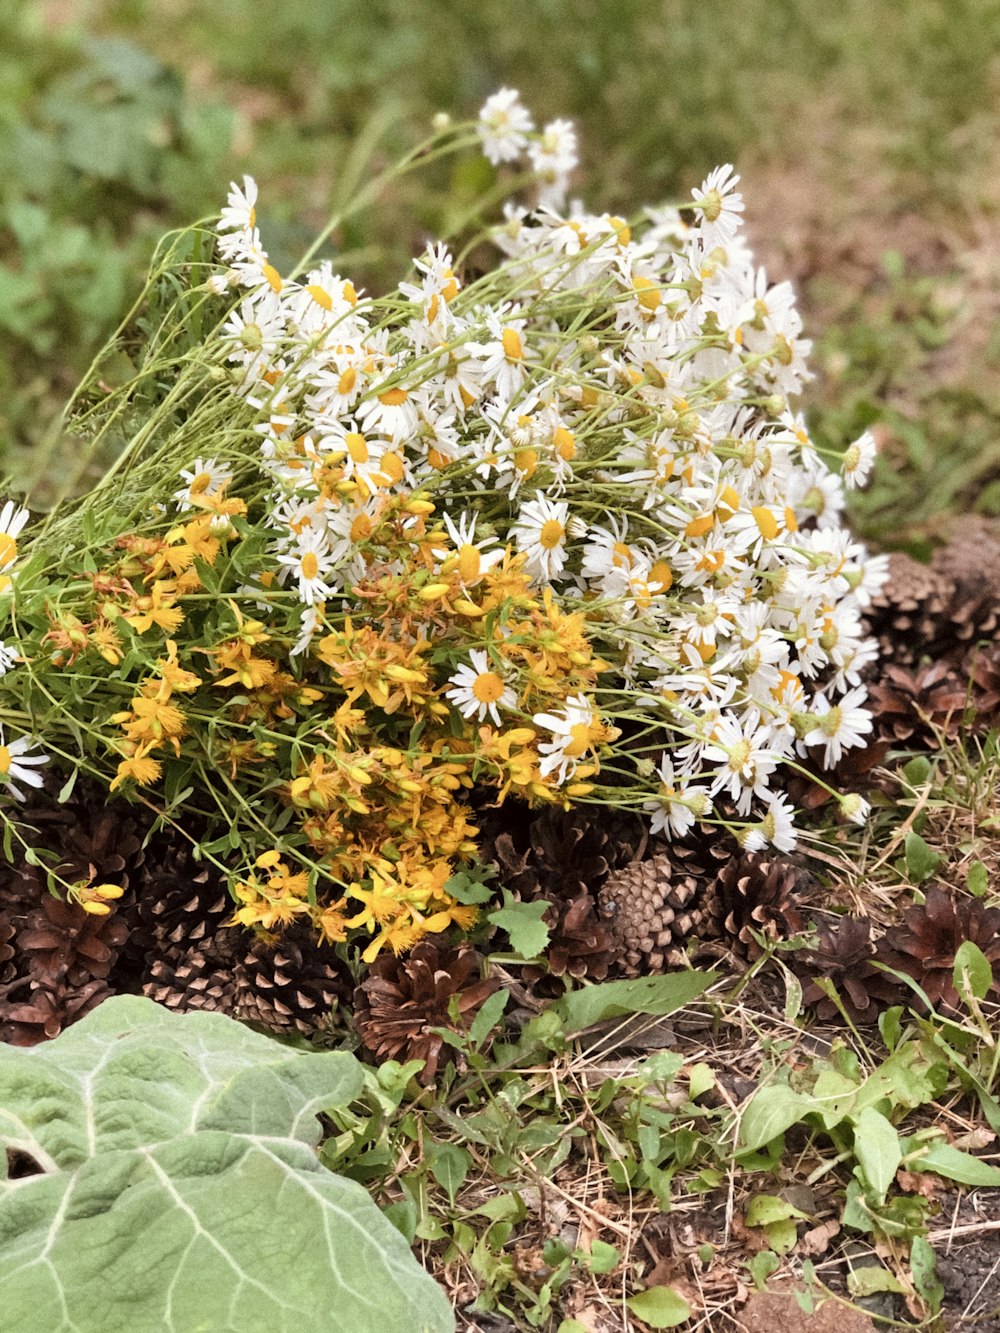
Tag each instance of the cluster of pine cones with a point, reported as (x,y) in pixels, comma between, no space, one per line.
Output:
(619,904)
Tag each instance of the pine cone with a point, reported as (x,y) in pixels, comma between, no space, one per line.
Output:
(924,946)
(66,947)
(581,944)
(8,965)
(45,1012)
(910,615)
(401,1000)
(971,563)
(290,986)
(651,909)
(757,895)
(179,904)
(556,853)
(844,956)
(915,707)
(198,978)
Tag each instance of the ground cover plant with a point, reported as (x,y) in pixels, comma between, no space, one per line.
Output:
(663,1039)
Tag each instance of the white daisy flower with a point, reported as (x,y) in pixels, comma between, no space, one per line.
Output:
(17,764)
(504,126)
(859,460)
(720,206)
(309,563)
(840,726)
(478,691)
(677,804)
(8,656)
(540,532)
(240,213)
(12,520)
(575,733)
(205,478)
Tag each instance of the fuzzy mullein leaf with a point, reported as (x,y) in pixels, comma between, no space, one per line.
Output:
(179,1187)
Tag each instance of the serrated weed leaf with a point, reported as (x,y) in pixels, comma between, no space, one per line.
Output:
(180,1189)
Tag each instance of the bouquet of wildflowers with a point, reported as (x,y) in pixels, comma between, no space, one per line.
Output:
(553,529)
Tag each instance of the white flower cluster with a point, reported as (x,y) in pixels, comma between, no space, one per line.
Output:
(612,401)
(19,759)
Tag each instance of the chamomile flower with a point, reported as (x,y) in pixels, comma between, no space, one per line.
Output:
(12,520)
(504,126)
(478,692)
(308,562)
(859,459)
(720,207)
(240,212)
(576,732)
(8,656)
(205,478)
(838,726)
(18,764)
(677,804)
(541,532)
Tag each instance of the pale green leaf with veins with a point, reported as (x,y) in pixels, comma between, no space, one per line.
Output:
(180,1191)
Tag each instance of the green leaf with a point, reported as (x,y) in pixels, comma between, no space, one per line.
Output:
(660,1307)
(465,889)
(976,879)
(921,861)
(700,1079)
(871,1279)
(770,1112)
(488,1017)
(582,1008)
(524,925)
(878,1150)
(954,1164)
(765,1209)
(923,1268)
(761,1267)
(603,1258)
(972,971)
(449,1165)
(179,1187)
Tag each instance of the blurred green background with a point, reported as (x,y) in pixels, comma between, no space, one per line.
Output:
(866,132)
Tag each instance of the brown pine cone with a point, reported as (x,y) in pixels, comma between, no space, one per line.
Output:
(910,615)
(179,903)
(555,853)
(44,1012)
(652,907)
(293,985)
(65,946)
(844,956)
(971,563)
(916,707)
(201,978)
(401,1000)
(581,944)
(924,946)
(757,895)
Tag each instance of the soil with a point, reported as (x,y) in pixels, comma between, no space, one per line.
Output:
(968,1250)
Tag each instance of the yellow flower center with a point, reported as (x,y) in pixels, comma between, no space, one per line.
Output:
(488,687)
(347,380)
(393,397)
(4,759)
(512,347)
(357,446)
(274,280)
(310,565)
(201,483)
(8,549)
(551,534)
(321,297)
